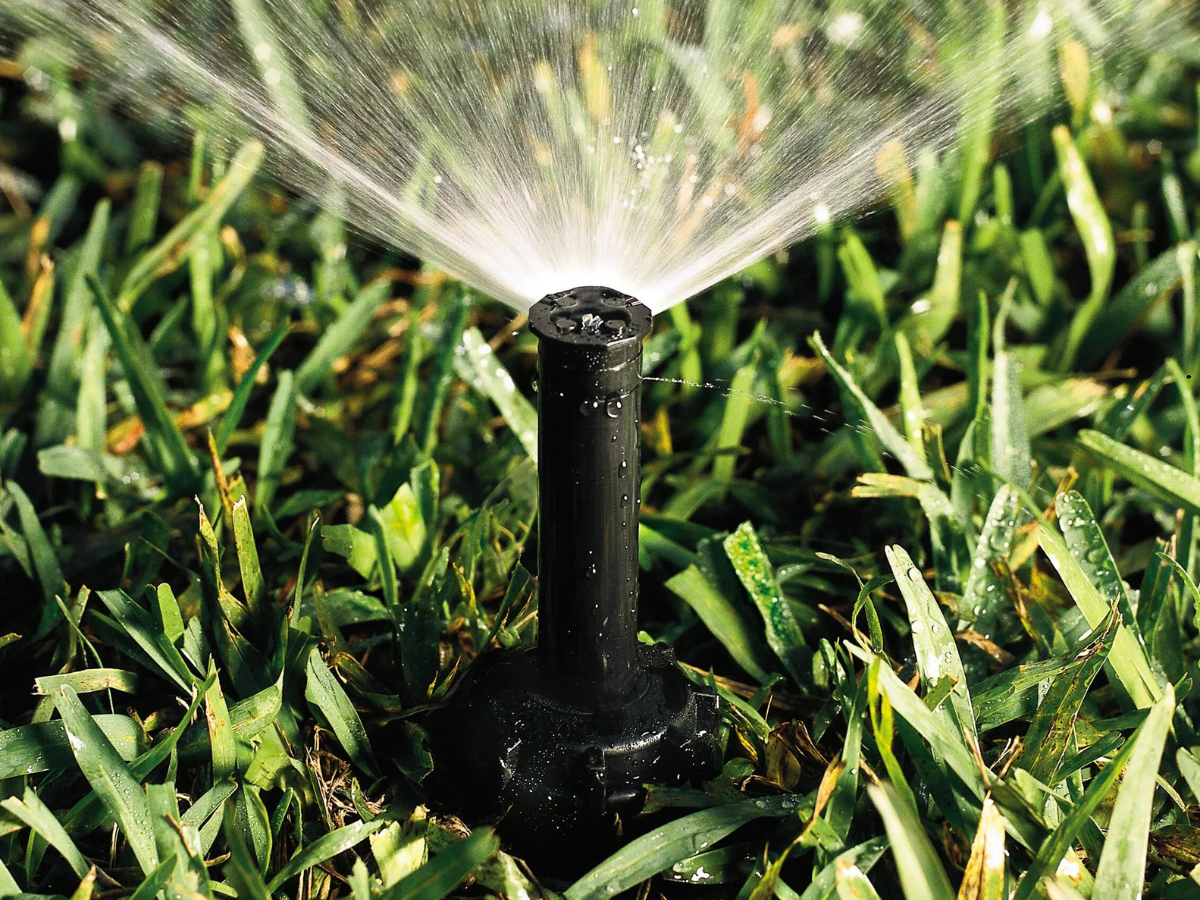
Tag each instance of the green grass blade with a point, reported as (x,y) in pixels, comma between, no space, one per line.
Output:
(868,413)
(1159,478)
(32,812)
(1121,873)
(8,884)
(1095,229)
(16,359)
(167,443)
(220,729)
(323,848)
(247,554)
(734,419)
(176,246)
(278,441)
(445,353)
(143,220)
(757,575)
(937,655)
(87,681)
(77,304)
(1086,542)
(446,871)
(232,416)
(1053,724)
(1011,455)
(43,746)
(1128,657)
(985,593)
(722,618)
(864,856)
(339,338)
(668,844)
(853,884)
(45,560)
(144,631)
(328,696)
(478,366)
(1051,853)
(921,874)
(109,776)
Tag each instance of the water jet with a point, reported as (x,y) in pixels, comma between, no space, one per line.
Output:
(556,743)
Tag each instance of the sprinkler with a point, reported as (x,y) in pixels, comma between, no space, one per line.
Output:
(556,743)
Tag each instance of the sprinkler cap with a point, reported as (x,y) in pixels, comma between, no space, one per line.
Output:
(591,317)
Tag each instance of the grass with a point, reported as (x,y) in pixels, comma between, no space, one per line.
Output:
(933,536)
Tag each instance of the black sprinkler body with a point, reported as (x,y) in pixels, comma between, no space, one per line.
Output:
(556,743)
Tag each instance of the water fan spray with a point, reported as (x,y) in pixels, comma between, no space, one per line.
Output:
(557,742)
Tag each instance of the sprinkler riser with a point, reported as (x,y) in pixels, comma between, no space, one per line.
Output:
(589,479)
(556,743)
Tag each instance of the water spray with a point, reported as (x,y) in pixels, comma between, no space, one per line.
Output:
(557,742)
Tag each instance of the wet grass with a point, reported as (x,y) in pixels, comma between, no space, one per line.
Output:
(931,530)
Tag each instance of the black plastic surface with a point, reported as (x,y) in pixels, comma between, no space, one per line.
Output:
(589,410)
(555,744)
(560,779)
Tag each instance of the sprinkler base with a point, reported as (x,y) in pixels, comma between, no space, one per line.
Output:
(559,779)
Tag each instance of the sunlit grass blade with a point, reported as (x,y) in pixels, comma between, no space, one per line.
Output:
(667,844)
(32,812)
(169,252)
(324,692)
(985,877)
(478,366)
(337,340)
(1121,873)
(1051,853)
(110,777)
(937,655)
(446,871)
(323,848)
(870,414)
(1128,657)
(43,746)
(921,873)
(1092,222)
(168,446)
(758,578)
(1159,478)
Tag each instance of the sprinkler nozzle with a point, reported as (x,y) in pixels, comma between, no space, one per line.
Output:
(557,742)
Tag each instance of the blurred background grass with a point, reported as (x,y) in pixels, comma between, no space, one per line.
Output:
(921,501)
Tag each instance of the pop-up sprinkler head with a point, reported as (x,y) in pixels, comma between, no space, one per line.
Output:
(556,743)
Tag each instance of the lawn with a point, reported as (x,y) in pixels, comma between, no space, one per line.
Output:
(921,501)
